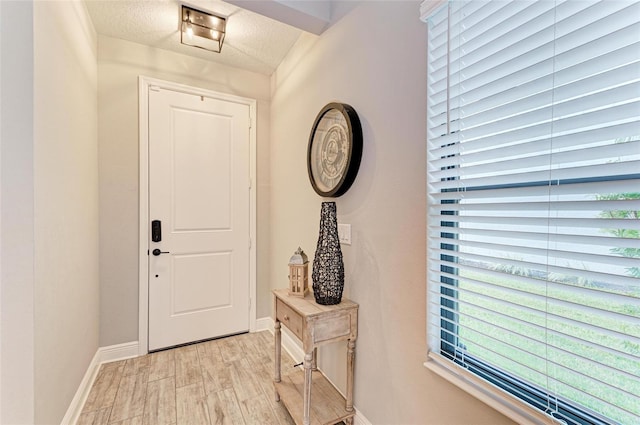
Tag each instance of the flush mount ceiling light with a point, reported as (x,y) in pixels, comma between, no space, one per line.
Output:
(201,29)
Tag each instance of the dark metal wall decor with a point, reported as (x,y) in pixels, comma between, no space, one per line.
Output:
(328,266)
(335,150)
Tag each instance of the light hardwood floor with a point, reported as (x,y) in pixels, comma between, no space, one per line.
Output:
(224,381)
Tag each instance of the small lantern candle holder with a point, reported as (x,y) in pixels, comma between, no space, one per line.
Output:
(299,274)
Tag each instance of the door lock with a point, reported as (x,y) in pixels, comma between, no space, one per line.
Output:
(156,231)
(157,252)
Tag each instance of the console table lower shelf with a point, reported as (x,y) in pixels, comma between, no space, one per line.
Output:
(328,406)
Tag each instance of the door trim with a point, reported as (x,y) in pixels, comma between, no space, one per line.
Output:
(144,84)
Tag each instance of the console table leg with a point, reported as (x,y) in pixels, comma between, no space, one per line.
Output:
(278,348)
(308,360)
(314,362)
(351,360)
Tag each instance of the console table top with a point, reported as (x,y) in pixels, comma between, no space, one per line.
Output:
(308,307)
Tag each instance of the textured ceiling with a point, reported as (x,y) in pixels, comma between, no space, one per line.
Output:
(253,42)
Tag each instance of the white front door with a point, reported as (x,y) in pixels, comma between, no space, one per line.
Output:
(199,193)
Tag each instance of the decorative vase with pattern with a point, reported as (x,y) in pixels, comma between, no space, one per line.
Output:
(328,266)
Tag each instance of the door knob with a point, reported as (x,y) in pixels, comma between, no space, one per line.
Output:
(157,252)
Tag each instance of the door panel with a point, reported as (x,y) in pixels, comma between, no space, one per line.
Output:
(199,158)
(199,190)
(192,289)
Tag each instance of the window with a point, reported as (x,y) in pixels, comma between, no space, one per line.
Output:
(534,202)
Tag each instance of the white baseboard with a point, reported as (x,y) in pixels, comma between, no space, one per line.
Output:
(73,412)
(112,353)
(359,419)
(294,349)
(264,324)
(103,355)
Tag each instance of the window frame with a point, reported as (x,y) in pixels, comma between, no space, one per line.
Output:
(465,372)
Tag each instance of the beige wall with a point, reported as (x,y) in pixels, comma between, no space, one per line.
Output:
(16,191)
(373,58)
(49,208)
(119,65)
(66,203)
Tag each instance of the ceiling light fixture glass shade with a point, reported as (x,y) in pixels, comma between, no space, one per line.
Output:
(202,29)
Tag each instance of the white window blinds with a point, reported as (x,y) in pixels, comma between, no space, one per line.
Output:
(534,201)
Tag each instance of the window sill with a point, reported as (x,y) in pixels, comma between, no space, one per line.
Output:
(494,397)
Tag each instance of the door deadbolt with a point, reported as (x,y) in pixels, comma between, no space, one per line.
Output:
(156,231)
(157,252)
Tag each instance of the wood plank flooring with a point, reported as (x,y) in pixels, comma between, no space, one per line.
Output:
(225,381)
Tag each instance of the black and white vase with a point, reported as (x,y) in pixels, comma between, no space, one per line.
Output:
(328,266)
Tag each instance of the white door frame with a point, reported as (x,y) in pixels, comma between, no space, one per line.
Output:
(144,84)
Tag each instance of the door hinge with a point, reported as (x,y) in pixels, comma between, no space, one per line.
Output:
(250,183)
(249,243)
